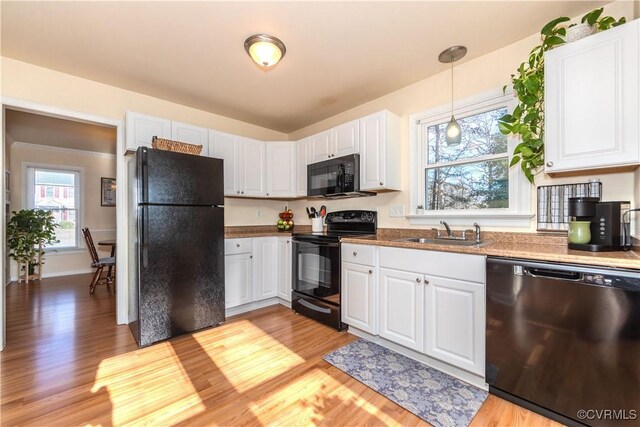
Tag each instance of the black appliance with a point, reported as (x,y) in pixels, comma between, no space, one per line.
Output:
(564,338)
(610,231)
(176,231)
(336,178)
(316,265)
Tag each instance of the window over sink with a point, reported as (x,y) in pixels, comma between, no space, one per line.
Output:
(470,181)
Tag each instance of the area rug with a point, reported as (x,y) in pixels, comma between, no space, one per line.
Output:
(434,396)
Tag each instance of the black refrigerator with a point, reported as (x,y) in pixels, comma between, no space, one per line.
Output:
(176,241)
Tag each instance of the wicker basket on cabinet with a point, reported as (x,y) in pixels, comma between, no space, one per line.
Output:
(177,146)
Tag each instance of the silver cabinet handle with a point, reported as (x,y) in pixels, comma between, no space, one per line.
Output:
(355,253)
(381,183)
(237,245)
(426,282)
(250,256)
(418,280)
(328,156)
(370,271)
(549,164)
(267,194)
(287,241)
(242,192)
(238,191)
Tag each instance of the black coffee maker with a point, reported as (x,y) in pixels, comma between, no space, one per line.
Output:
(609,231)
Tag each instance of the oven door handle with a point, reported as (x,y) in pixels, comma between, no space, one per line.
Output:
(314,307)
(314,242)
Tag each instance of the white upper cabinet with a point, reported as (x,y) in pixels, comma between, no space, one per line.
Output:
(224,146)
(281,169)
(592,101)
(380,151)
(192,135)
(302,159)
(345,139)
(320,146)
(252,167)
(140,130)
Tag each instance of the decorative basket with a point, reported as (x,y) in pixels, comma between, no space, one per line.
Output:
(177,146)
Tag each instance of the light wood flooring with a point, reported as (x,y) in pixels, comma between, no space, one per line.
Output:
(67,363)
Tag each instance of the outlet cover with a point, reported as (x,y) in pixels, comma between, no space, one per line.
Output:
(396,211)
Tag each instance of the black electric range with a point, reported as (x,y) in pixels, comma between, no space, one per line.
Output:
(317,264)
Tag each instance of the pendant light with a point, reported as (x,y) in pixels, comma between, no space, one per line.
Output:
(265,50)
(453,134)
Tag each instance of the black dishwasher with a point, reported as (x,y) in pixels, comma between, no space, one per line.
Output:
(564,340)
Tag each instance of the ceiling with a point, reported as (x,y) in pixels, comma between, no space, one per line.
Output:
(339,54)
(43,130)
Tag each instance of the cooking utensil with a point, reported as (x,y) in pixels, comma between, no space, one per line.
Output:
(314,213)
(323,211)
(309,213)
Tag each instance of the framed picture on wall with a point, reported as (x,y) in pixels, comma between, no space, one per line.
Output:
(108,191)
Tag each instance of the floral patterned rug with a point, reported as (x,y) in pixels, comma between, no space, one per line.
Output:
(434,396)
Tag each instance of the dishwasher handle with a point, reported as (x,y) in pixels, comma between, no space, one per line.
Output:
(548,273)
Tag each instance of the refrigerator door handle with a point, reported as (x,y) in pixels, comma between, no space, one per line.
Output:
(145,236)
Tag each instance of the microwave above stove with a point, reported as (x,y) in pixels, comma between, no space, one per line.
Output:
(336,178)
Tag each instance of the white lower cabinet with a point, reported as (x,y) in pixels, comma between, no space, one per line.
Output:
(284,268)
(238,279)
(402,308)
(359,297)
(454,322)
(266,283)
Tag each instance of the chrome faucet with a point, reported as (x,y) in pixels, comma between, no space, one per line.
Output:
(477,226)
(447,227)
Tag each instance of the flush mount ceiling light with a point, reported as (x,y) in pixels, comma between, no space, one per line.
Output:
(453,134)
(265,50)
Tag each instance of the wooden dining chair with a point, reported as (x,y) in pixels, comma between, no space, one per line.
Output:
(99,264)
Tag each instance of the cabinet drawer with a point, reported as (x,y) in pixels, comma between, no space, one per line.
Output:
(358,254)
(435,263)
(237,246)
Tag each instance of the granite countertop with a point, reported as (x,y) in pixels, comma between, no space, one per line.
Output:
(536,246)
(239,232)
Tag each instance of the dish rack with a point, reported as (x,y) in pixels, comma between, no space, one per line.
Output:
(553,203)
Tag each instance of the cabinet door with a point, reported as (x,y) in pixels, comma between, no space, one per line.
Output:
(402,308)
(280,169)
(592,113)
(454,322)
(253,165)
(266,279)
(238,277)
(358,294)
(284,268)
(372,132)
(191,135)
(225,146)
(345,138)
(142,128)
(321,148)
(302,149)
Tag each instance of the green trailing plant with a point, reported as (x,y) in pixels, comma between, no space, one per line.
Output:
(527,119)
(28,232)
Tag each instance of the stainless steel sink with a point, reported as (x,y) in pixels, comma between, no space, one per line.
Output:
(452,242)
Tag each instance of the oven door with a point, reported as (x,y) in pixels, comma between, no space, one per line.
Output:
(316,269)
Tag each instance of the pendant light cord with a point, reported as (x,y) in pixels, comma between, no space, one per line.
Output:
(451,85)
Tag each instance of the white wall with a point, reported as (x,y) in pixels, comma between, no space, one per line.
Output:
(101,220)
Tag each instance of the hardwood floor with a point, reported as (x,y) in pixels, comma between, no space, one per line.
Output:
(67,363)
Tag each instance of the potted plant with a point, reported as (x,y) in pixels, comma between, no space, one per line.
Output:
(28,232)
(527,118)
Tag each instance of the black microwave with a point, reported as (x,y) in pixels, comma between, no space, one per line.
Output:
(335,178)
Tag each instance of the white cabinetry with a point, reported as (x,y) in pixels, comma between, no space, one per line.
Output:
(320,146)
(380,151)
(592,101)
(345,139)
(402,308)
(192,135)
(302,159)
(281,169)
(454,322)
(238,266)
(252,167)
(284,268)
(359,297)
(141,128)
(266,279)
(224,146)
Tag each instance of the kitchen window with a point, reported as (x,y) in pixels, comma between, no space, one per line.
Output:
(57,191)
(472,180)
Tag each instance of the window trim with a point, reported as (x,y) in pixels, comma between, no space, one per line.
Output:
(518,214)
(28,199)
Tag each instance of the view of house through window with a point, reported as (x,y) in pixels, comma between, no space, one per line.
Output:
(473,174)
(57,191)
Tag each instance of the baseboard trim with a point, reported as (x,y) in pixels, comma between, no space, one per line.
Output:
(60,273)
(250,306)
(461,374)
